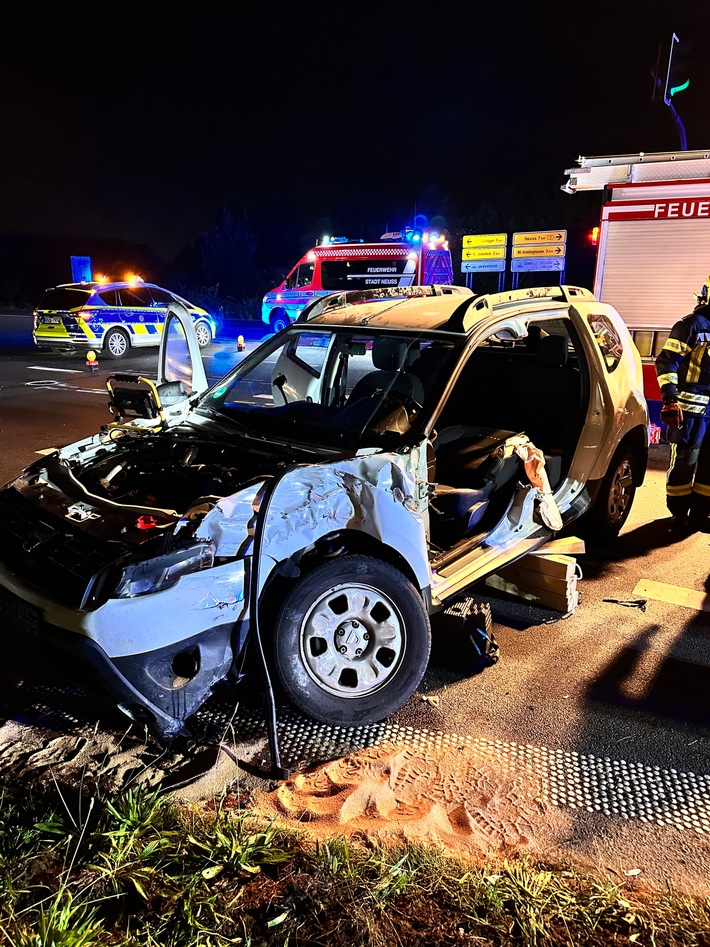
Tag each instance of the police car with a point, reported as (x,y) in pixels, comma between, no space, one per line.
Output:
(114,317)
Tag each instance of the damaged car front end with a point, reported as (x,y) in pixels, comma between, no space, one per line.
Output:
(128,556)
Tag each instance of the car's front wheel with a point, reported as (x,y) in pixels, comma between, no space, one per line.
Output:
(351,641)
(116,343)
(613,502)
(203,333)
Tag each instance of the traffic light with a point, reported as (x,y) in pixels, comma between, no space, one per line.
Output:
(678,73)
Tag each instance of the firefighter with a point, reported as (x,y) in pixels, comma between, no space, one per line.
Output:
(683,370)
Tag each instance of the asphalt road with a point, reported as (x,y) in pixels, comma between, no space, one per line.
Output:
(613,682)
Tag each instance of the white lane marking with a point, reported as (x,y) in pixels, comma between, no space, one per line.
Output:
(46,368)
(47,450)
(53,383)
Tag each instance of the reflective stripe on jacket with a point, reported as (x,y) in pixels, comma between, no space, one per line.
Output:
(684,361)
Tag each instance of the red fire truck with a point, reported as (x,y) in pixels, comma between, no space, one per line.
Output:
(399,258)
(653,240)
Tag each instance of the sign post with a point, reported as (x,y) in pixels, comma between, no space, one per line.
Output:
(484,253)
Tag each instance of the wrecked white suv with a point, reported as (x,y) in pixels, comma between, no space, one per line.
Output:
(349,477)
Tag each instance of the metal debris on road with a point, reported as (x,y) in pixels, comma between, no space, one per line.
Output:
(629,603)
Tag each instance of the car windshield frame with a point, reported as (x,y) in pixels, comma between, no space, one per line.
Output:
(318,367)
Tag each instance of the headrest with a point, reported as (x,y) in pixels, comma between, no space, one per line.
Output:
(553,350)
(391,355)
(532,339)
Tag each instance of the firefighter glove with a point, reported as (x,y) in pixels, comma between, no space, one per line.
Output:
(672,414)
(669,393)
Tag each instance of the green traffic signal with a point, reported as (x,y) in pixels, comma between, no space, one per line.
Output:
(679,88)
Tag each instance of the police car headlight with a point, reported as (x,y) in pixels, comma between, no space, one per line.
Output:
(156,575)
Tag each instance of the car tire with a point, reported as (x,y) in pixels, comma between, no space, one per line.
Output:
(612,505)
(351,641)
(279,321)
(116,343)
(203,334)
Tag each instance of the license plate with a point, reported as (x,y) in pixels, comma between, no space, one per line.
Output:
(19,615)
(51,320)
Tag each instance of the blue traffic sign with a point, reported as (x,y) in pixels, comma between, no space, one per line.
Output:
(81,269)
(482,266)
(528,265)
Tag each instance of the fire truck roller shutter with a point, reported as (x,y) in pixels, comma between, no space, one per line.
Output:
(649,267)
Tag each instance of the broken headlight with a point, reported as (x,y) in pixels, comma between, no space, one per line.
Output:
(156,575)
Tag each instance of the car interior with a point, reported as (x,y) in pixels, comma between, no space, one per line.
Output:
(532,386)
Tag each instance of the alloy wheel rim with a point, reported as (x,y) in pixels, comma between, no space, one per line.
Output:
(117,344)
(620,493)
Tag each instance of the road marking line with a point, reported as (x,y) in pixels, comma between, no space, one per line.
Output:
(45,368)
(673,594)
(47,450)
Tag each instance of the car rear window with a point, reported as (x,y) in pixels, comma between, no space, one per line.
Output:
(61,298)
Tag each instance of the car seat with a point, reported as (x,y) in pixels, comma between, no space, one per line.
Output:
(390,357)
(479,458)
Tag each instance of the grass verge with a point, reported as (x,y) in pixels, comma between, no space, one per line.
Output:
(135,869)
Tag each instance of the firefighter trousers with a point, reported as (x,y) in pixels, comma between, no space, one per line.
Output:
(688,481)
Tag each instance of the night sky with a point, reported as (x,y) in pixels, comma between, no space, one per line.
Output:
(123,123)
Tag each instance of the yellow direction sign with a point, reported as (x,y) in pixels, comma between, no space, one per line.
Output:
(539,236)
(483,253)
(485,240)
(550,249)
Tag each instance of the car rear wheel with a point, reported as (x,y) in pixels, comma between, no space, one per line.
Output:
(351,641)
(279,321)
(613,502)
(203,334)
(116,343)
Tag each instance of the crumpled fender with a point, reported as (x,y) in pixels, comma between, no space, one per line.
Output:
(377,494)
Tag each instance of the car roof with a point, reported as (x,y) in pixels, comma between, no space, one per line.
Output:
(114,284)
(450,308)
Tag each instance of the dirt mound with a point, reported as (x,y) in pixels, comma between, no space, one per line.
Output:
(431,793)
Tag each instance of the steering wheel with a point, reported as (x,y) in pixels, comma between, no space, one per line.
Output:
(395,413)
(410,404)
